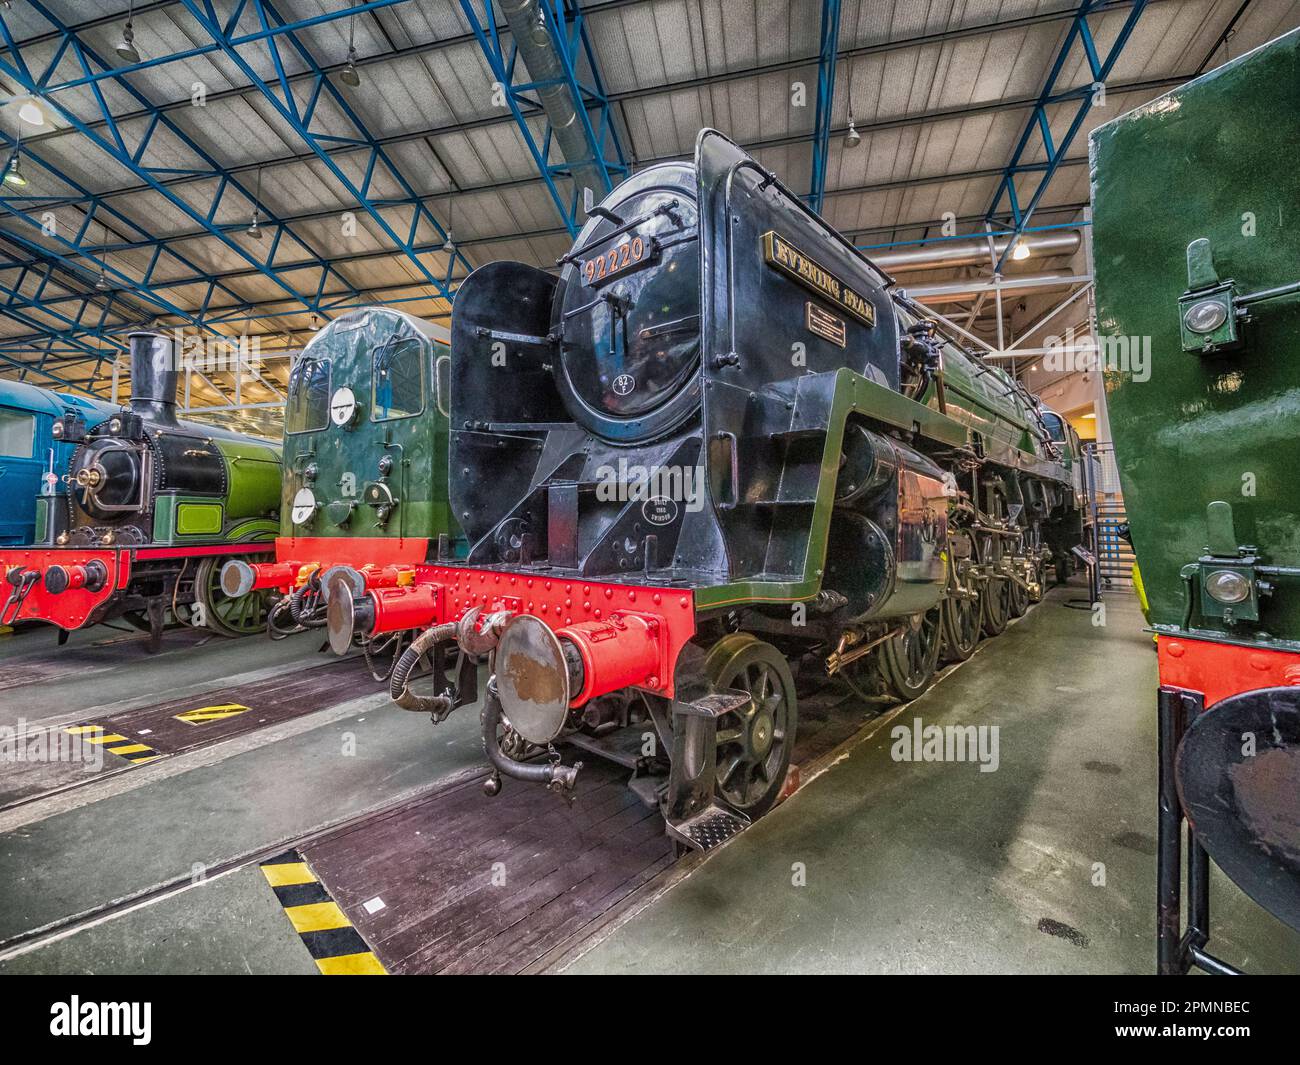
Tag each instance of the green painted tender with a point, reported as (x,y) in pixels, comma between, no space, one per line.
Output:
(1197,253)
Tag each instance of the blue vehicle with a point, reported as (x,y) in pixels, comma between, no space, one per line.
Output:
(28,451)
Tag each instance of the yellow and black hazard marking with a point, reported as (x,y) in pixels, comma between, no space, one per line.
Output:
(204,714)
(324,928)
(132,750)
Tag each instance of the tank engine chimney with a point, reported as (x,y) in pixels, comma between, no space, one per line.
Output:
(153,376)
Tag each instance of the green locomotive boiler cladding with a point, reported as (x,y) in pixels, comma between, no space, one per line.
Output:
(365,451)
(1199,256)
(252,494)
(1018,433)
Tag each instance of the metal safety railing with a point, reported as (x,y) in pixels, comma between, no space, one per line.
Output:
(1114,556)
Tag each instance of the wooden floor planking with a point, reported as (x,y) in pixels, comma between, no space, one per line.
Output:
(433,864)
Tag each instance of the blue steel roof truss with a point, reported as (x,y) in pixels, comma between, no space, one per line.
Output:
(86,260)
(1017,214)
(567,29)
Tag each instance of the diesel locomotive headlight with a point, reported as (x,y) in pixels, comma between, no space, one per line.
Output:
(1227,586)
(1206,316)
(304,506)
(56,430)
(344,408)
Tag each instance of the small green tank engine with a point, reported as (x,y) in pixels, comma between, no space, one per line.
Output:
(150,509)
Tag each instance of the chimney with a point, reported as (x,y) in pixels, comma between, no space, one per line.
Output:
(153,376)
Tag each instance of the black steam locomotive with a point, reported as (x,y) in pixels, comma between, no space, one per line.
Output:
(718,441)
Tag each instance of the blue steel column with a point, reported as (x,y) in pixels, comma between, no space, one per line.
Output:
(1039,122)
(825,100)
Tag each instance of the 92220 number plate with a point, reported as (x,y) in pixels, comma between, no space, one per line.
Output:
(618,259)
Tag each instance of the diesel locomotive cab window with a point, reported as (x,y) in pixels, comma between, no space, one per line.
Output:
(632,312)
(307,409)
(397,380)
(442,379)
(17,434)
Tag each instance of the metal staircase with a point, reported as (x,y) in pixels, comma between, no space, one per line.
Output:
(1106,513)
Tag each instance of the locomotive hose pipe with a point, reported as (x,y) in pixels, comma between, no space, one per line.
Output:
(273,620)
(439,706)
(308,616)
(552,774)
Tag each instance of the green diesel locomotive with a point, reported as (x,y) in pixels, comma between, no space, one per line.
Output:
(364,496)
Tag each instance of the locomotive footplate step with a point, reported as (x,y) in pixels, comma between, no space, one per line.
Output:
(134,737)
(710,828)
(453,882)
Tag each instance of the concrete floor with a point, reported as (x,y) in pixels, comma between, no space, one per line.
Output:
(103,670)
(929,867)
(936,867)
(126,835)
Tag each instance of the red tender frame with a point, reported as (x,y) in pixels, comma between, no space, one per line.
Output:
(1221,669)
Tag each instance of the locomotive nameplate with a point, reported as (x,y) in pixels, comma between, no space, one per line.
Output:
(825,324)
(780,253)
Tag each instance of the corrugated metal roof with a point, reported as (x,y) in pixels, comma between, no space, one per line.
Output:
(940,91)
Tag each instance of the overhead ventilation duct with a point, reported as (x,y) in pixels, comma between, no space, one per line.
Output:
(954,291)
(527,24)
(975,252)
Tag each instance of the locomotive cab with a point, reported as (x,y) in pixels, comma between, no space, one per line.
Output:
(364,404)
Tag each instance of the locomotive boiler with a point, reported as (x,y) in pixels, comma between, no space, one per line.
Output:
(364,497)
(149,510)
(720,440)
(1207,444)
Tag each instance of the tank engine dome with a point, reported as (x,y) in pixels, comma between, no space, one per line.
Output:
(628,309)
